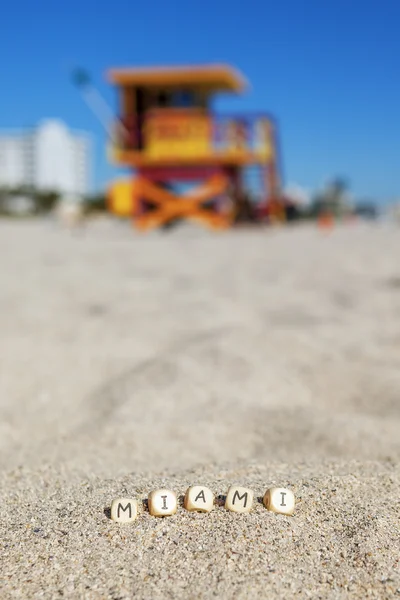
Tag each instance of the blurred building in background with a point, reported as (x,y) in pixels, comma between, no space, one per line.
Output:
(49,157)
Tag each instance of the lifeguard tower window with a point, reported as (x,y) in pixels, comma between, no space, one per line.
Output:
(163,100)
(184,99)
(140,109)
(176,99)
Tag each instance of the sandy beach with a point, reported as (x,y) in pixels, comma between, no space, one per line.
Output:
(258,357)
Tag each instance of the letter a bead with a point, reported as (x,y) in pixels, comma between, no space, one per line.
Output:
(162,503)
(199,498)
(239,499)
(124,510)
(279,500)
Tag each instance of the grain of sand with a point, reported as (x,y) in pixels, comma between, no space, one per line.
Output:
(255,357)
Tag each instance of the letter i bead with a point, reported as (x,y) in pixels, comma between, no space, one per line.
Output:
(162,503)
(279,500)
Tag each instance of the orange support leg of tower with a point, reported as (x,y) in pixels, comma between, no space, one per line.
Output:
(169,206)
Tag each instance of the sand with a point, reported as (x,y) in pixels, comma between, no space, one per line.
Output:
(261,358)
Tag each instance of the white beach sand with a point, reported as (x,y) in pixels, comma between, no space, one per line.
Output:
(259,357)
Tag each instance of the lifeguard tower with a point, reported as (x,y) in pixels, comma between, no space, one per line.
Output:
(167,133)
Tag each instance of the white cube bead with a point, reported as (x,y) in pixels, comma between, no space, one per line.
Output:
(199,498)
(124,510)
(279,500)
(239,499)
(162,503)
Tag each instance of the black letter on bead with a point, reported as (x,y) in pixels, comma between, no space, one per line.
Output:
(128,506)
(200,495)
(240,498)
(283,494)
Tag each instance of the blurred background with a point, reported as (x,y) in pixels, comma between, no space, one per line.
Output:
(327,72)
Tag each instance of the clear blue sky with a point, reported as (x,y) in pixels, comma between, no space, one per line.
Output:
(328,69)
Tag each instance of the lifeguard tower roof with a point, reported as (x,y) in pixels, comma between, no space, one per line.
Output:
(212,77)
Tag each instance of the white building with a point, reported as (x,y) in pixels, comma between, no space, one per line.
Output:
(49,158)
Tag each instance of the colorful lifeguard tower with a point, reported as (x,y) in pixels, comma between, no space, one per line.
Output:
(168,135)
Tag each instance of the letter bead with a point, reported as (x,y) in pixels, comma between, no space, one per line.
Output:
(162,503)
(124,510)
(239,499)
(279,500)
(199,498)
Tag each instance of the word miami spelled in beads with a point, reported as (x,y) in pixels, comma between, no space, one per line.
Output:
(198,498)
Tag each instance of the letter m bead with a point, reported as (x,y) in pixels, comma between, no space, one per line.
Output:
(124,510)
(239,499)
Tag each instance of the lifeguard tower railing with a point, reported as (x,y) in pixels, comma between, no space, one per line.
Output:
(187,137)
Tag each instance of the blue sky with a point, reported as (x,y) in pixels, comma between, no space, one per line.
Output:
(328,69)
